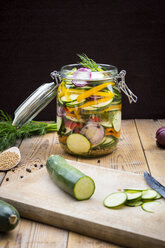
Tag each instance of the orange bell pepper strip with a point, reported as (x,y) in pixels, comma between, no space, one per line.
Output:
(93,91)
(111,131)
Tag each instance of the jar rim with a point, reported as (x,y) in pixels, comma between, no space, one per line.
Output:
(110,71)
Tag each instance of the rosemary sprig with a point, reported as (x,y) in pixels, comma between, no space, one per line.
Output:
(89,63)
(9,133)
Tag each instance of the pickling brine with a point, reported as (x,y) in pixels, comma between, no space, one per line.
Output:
(89,110)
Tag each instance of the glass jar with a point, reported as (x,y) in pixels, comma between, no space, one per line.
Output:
(89,111)
(89,107)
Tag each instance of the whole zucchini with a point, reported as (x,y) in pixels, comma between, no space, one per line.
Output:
(69,178)
(9,217)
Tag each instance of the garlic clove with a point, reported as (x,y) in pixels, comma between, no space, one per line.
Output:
(10,158)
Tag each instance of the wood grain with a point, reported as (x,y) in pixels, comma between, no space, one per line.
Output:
(38,198)
(31,234)
(155,155)
(136,152)
(128,155)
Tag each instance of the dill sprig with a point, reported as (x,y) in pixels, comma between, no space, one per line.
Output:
(9,133)
(89,63)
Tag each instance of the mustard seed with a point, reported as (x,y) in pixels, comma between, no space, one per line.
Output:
(8,159)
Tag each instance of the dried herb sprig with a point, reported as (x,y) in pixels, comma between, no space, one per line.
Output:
(9,133)
(89,63)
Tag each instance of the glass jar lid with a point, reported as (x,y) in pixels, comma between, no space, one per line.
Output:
(37,101)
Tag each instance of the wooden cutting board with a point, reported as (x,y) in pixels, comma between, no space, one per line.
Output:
(38,198)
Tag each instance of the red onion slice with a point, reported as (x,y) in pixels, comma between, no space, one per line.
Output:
(61,111)
(93,131)
(81,75)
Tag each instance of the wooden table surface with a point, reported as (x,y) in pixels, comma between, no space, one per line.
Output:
(136,152)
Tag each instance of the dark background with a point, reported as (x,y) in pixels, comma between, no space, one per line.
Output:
(37,37)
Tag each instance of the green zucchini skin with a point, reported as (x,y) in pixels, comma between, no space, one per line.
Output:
(64,175)
(9,217)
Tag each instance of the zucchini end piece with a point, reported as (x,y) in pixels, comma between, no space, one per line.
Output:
(84,188)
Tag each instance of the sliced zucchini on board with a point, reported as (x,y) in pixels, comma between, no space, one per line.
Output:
(158,196)
(133,196)
(134,203)
(69,178)
(150,206)
(117,121)
(9,217)
(149,194)
(115,199)
(78,144)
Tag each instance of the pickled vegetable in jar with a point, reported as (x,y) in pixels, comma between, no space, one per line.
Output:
(89,106)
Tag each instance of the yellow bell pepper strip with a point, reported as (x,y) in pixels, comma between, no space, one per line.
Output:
(113,107)
(106,94)
(75,91)
(93,91)
(77,113)
(89,103)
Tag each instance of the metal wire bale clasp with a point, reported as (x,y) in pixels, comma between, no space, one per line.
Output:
(122,85)
(55,75)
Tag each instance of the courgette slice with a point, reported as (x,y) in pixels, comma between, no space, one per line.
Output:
(149,194)
(59,123)
(106,123)
(9,217)
(134,203)
(117,121)
(102,104)
(133,196)
(158,196)
(74,104)
(150,206)
(115,199)
(71,98)
(74,119)
(69,178)
(78,144)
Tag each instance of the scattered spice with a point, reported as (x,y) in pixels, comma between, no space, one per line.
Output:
(7,179)
(8,159)
(28,170)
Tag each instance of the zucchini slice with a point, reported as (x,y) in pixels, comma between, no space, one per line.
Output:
(74,119)
(133,196)
(134,203)
(115,199)
(149,194)
(71,98)
(150,206)
(69,178)
(59,123)
(77,143)
(117,121)
(106,123)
